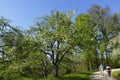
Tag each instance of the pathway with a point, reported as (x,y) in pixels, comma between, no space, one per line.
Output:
(97,76)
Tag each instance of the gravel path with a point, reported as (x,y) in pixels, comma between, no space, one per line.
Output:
(97,76)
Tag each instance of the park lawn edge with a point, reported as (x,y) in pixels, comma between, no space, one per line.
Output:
(116,74)
(74,76)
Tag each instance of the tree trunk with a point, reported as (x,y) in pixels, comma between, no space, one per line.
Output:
(87,64)
(3,57)
(56,70)
(107,60)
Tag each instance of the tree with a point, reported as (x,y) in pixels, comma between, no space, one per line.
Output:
(107,26)
(8,36)
(86,35)
(53,34)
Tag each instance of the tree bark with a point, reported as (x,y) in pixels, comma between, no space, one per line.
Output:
(56,70)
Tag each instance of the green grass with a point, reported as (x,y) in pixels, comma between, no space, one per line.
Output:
(116,74)
(79,76)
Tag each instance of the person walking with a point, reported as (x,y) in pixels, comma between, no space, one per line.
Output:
(101,69)
(108,69)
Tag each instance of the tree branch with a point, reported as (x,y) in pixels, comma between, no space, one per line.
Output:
(64,54)
(46,53)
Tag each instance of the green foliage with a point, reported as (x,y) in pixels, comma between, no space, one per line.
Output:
(86,37)
(80,76)
(55,44)
(53,36)
(115,54)
(103,47)
(106,25)
(116,74)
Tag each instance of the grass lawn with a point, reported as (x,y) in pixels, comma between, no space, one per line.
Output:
(79,76)
(116,74)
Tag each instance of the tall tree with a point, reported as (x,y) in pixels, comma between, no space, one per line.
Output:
(7,36)
(107,25)
(53,33)
(86,35)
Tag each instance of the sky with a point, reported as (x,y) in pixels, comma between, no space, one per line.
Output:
(22,13)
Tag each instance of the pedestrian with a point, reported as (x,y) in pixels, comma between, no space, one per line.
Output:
(101,69)
(108,69)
